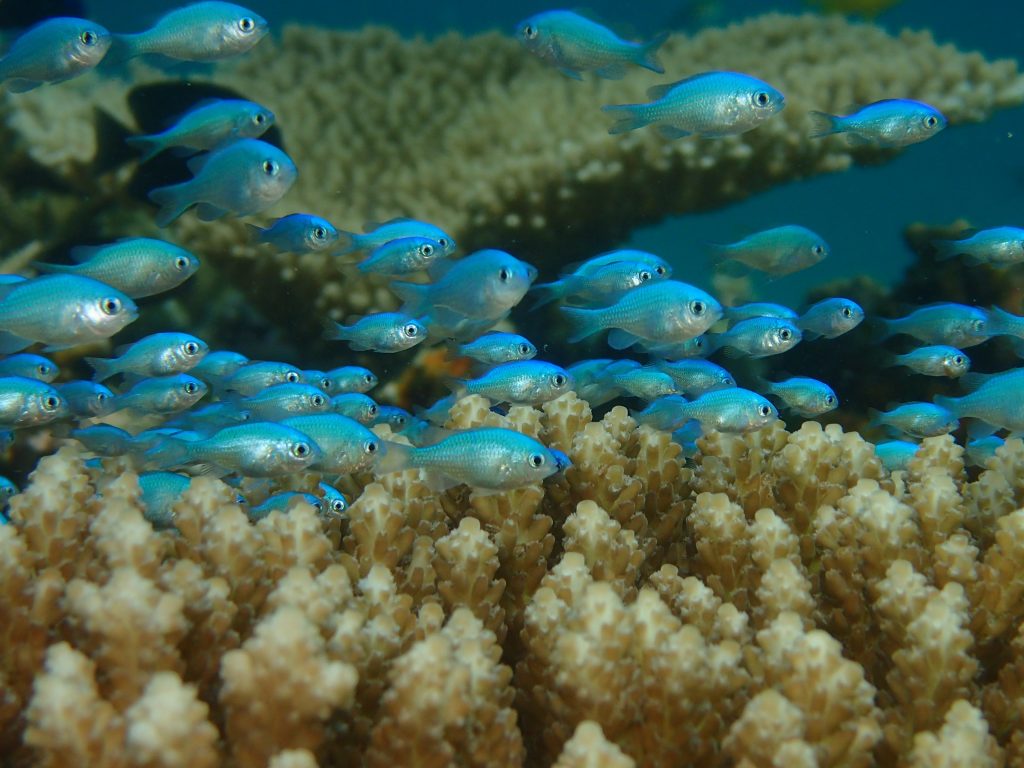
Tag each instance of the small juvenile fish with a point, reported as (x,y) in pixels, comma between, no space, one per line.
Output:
(999,246)
(830,318)
(356,406)
(160,492)
(162,394)
(252,378)
(527,382)
(210,417)
(698,346)
(482,286)
(29,403)
(938,360)
(257,449)
(758,337)
(495,348)
(395,417)
(955,325)
(887,123)
(597,287)
(655,263)
(918,419)
(574,44)
(209,125)
(241,179)
(402,256)
(104,439)
(219,365)
(395,229)
(642,383)
(667,311)
(779,251)
(710,105)
(62,311)
(486,457)
(995,401)
(30,366)
(136,266)
(379,332)
(335,503)
(86,399)
(758,309)
(53,51)
(318,379)
(297,233)
(725,410)
(282,502)
(280,401)
(351,378)
(346,446)
(695,377)
(895,455)
(804,396)
(978,452)
(204,31)
(159,354)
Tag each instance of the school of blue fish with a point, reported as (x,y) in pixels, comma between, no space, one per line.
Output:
(217,411)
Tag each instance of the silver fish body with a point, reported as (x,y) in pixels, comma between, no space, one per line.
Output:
(759,337)
(53,51)
(403,256)
(351,378)
(356,406)
(283,502)
(918,419)
(255,377)
(599,287)
(999,246)
(804,396)
(955,325)
(346,446)
(379,332)
(779,251)
(160,492)
(496,347)
(219,365)
(996,400)
(830,318)
(29,402)
(527,382)
(104,439)
(936,360)
(896,455)
(209,125)
(726,410)
(283,400)
(695,377)
(30,366)
(160,354)
(163,394)
(203,31)
(297,233)
(887,123)
(86,399)
(380,233)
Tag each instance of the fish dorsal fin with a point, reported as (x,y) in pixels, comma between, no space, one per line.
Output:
(83,253)
(370,226)
(658,91)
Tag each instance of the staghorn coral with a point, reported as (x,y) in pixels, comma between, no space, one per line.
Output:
(475,134)
(804,608)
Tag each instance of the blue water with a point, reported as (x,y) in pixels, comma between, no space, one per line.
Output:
(973,172)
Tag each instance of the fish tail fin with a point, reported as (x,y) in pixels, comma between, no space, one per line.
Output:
(889,360)
(718,253)
(167,453)
(545,293)
(413,296)
(875,418)
(259,234)
(628,117)
(347,243)
(951,404)
(824,124)
(882,328)
(335,331)
(647,54)
(150,146)
(397,457)
(124,47)
(43,266)
(947,249)
(104,368)
(173,202)
(584,322)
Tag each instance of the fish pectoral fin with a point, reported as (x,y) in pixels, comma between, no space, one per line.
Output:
(670,132)
(611,71)
(620,339)
(570,73)
(438,481)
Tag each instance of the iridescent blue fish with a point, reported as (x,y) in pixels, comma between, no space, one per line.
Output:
(996,401)
(758,309)
(346,446)
(379,332)
(160,354)
(160,492)
(574,44)
(351,378)
(526,382)
(999,322)
(710,105)
(725,410)
(695,377)
(86,399)
(978,452)
(335,503)
(999,246)
(955,325)
(496,347)
(655,263)
(803,396)
(779,251)
(283,400)
(488,458)
(255,377)
(219,365)
(378,234)
(241,179)
(758,337)
(395,417)
(896,455)
(283,502)
(297,233)
(403,256)
(29,403)
(918,419)
(830,318)
(356,406)
(61,311)
(937,360)
(53,51)
(104,439)
(887,123)
(597,287)
(204,31)
(209,125)
(137,266)
(210,417)
(162,394)
(30,366)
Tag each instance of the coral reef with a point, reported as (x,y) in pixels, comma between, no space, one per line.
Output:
(477,136)
(782,601)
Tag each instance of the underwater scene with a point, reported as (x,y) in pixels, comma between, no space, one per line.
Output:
(503,384)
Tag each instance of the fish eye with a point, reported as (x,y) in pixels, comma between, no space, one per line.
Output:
(443,242)
(259,118)
(246,24)
(181,263)
(524,349)
(411,330)
(317,505)
(317,401)
(88,37)
(958,360)
(931,121)
(761,98)
(765,410)
(326,384)
(301,450)
(559,380)
(337,505)
(697,307)
(371,410)
(292,377)
(319,233)
(818,250)
(698,343)
(847,312)
(270,167)
(529,32)
(504,275)
(43,369)
(785,334)
(371,446)
(660,270)
(729,381)
(536,460)
(52,403)
(370,379)
(111,306)
(191,348)
(190,388)
(426,250)
(644,276)
(829,399)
